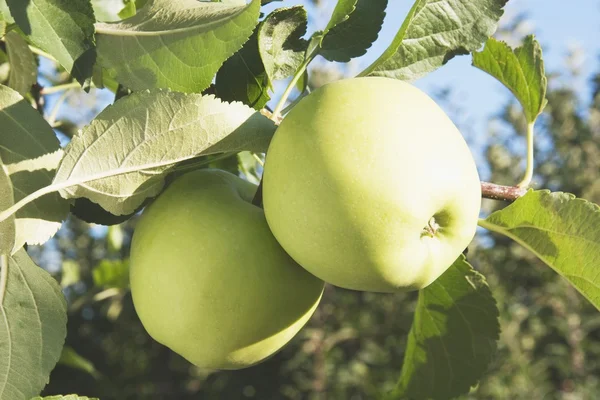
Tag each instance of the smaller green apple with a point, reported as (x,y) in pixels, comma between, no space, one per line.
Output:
(208,278)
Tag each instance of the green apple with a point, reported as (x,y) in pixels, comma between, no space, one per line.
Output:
(208,278)
(370,186)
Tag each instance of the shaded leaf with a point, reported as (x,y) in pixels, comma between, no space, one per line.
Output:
(177,45)
(352,37)
(453,336)
(280,41)
(122,157)
(560,229)
(88,211)
(33,327)
(31,152)
(23,67)
(433,33)
(63,28)
(243,77)
(521,71)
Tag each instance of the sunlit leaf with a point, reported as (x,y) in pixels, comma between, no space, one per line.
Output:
(122,157)
(562,230)
(433,33)
(178,45)
(521,71)
(30,152)
(63,28)
(33,327)
(280,41)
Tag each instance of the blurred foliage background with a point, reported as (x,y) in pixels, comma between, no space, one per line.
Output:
(353,346)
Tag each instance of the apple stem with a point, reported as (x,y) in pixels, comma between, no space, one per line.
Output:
(288,90)
(500,192)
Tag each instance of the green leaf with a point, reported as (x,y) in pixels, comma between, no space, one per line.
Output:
(33,327)
(128,10)
(243,77)
(112,274)
(433,33)
(122,157)
(341,12)
(63,28)
(23,67)
(453,336)
(280,41)
(107,10)
(88,211)
(521,71)
(67,397)
(178,45)
(561,230)
(2,24)
(352,37)
(70,358)
(30,152)
(7,227)
(5,12)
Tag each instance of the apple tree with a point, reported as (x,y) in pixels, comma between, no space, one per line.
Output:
(193,85)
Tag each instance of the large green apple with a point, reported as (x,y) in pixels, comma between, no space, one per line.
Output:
(208,278)
(370,186)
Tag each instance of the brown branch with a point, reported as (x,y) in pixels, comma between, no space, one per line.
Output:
(499,192)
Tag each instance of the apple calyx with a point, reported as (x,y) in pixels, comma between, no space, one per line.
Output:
(431,228)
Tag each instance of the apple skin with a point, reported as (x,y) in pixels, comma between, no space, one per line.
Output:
(208,278)
(354,174)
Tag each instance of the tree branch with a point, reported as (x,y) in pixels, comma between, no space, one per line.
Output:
(499,192)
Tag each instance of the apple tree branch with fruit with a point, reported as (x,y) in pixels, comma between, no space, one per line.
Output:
(367,184)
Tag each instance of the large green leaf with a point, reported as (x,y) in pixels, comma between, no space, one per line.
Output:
(562,230)
(521,71)
(434,32)
(63,28)
(23,67)
(352,37)
(7,227)
(33,327)
(280,41)
(30,152)
(122,157)
(178,45)
(453,336)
